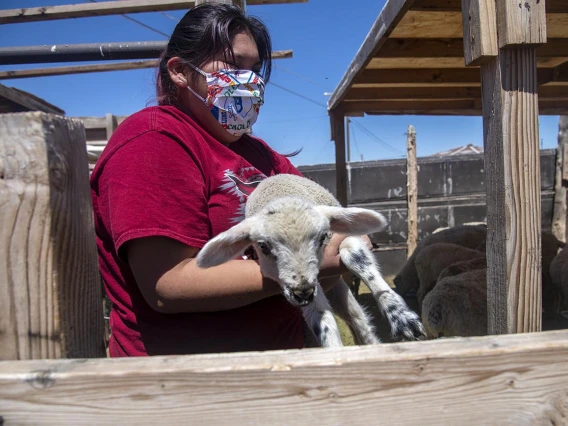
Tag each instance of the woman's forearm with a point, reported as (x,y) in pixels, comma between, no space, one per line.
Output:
(170,281)
(188,288)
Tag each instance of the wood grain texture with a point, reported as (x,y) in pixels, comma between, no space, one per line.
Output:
(411,190)
(479,31)
(521,22)
(560,211)
(239,3)
(552,6)
(454,48)
(515,379)
(50,291)
(77,69)
(427,24)
(444,76)
(48,13)
(116,66)
(512,163)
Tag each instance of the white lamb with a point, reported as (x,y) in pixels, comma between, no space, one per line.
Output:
(288,221)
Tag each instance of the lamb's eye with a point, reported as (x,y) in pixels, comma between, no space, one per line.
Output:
(324,239)
(264,248)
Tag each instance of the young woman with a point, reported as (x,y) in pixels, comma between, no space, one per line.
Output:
(175,175)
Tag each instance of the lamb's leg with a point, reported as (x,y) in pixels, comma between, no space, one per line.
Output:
(405,323)
(320,320)
(346,306)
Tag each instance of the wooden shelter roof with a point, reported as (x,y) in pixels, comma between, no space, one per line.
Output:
(15,100)
(412,62)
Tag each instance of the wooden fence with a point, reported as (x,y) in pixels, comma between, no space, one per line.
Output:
(517,379)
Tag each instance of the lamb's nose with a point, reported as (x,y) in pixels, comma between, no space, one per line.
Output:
(304,295)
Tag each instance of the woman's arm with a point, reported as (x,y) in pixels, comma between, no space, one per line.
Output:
(171,282)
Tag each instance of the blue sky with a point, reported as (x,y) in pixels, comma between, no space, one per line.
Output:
(324,36)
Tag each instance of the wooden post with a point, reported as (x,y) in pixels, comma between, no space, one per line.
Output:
(50,291)
(338,135)
(560,182)
(412,190)
(111,125)
(512,161)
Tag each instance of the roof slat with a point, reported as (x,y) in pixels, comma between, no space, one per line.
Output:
(551,6)
(453,48)
(427,24)
(435,92)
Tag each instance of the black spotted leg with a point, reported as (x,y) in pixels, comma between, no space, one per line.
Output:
(405,323)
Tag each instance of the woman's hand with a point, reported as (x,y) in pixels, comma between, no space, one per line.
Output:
(331,265)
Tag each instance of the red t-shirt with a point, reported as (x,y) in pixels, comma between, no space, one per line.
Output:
(161,174)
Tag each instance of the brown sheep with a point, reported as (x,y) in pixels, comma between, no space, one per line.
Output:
(470,236)
(457,306)
(434,258)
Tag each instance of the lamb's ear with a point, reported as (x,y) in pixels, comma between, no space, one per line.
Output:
(226,246)
(353,220)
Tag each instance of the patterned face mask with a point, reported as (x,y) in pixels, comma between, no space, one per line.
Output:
(234,98)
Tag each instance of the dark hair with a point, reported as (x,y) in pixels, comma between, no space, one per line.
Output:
(205,31)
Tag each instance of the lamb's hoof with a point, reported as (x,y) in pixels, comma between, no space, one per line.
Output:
(405,323)
(408,327)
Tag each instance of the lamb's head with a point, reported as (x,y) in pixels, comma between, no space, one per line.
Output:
(289,235)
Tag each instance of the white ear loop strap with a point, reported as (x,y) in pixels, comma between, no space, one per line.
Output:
(196,94)
(193,91)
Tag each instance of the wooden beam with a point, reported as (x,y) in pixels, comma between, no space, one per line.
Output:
(337,121)
(391,14)
(411,190)
(111,123)
(431,92)
(483,380)
(479,31)
(521,23)
(117,66)
(426,76)
(27,101)
(239,3)
(465,107)
(447,62)
(78,69)
(48,13)
(50,289)
(434,92)
(425,24)
(552,6)
(560,182)
(453,48)
(434,107)
(441,76)
(421,48)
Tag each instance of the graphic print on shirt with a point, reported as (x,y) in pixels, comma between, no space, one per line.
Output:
(241,185)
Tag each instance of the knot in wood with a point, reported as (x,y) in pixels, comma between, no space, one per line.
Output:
(41,379)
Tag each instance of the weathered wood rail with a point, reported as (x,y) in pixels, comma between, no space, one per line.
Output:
(519,379)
